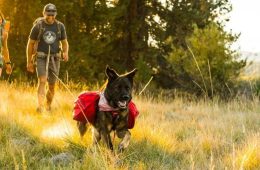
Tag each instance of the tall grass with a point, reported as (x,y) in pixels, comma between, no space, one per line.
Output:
(178,134)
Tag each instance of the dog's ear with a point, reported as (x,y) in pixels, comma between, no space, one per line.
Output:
(131,75)
(111,74)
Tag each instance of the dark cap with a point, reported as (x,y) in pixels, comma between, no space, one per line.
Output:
(50,9)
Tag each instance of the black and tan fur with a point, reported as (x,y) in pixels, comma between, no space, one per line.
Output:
(117,91)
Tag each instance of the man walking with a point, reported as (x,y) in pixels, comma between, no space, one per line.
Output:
(47,43)
(4,52)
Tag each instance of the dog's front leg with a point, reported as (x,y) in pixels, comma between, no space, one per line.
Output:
(103,127)
(125,135)
(106,138)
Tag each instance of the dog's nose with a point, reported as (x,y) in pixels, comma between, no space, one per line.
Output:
(125,97)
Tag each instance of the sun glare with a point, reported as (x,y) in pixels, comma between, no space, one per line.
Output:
(60,130)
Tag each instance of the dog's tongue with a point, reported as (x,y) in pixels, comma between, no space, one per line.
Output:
(122,104)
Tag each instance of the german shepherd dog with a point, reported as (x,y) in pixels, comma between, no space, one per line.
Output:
(118,94)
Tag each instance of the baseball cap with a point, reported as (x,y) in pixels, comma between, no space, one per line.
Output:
(50,9)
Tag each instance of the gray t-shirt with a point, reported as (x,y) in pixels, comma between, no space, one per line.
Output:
(49,36)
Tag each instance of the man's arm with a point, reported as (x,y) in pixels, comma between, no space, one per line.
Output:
(6,54)
(30,50)
(5,48)
(29,53)
(65,49)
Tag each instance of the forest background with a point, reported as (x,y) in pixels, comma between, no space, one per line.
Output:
(181,44)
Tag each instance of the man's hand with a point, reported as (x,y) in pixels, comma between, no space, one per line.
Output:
(8,69)
(65,57)
(30,67)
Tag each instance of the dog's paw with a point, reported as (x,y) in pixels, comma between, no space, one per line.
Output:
(121,147)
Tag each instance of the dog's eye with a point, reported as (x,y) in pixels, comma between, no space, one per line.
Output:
(127,88)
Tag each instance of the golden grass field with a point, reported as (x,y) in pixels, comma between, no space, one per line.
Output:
(169,134)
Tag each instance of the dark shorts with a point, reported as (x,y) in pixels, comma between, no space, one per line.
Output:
(1,62)
(53,69)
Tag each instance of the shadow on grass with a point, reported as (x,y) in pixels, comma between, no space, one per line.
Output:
(144,154)
(139,155)
(19,148)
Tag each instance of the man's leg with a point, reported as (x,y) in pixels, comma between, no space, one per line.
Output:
(50,95)
(41,92)
(53,74)
(42,79)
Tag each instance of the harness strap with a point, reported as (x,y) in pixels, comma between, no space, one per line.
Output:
(48,62)
(114,114)
(54,65)
(1,35)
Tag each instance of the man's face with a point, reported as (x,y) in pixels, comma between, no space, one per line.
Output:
(49,18)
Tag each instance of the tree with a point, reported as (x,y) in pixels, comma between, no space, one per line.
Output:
(146,34)
(209,62)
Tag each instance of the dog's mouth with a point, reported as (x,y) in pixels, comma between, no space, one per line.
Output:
(122,104)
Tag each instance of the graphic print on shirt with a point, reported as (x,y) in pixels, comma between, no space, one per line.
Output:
(49,37)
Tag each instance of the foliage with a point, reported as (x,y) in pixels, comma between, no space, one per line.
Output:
(209,65)
(122,34)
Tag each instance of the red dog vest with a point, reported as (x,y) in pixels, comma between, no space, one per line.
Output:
(86,107)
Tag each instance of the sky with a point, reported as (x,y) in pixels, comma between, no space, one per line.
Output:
(244,19)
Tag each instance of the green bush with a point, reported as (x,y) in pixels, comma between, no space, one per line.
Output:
(209,63)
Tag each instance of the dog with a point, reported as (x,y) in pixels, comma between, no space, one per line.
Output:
(113,110)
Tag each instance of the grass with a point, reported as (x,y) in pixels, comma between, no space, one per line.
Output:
(173,134)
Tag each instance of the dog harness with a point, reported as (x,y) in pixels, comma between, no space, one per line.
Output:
(88,103)
(105,107)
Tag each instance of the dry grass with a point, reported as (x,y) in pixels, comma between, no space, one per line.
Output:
(175,135)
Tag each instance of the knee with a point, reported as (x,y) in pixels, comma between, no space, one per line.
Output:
(42,80)
(41,85)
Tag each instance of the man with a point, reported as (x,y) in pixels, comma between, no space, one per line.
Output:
(4,53)
(45,39)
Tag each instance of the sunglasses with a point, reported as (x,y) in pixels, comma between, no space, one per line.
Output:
(50,10)
(51,15)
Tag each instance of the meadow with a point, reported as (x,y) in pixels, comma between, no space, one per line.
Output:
(177,133)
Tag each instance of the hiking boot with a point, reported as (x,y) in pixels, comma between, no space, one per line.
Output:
(39,110)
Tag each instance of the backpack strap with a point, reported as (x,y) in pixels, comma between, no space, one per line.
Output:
(59,28)
(59,35)
(41,29)
(39,23)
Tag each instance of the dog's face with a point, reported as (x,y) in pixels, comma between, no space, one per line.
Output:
(119,88)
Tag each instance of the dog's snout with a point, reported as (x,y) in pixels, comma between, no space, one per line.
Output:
(125,97)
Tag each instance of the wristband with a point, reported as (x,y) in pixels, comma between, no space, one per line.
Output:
(9,62)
